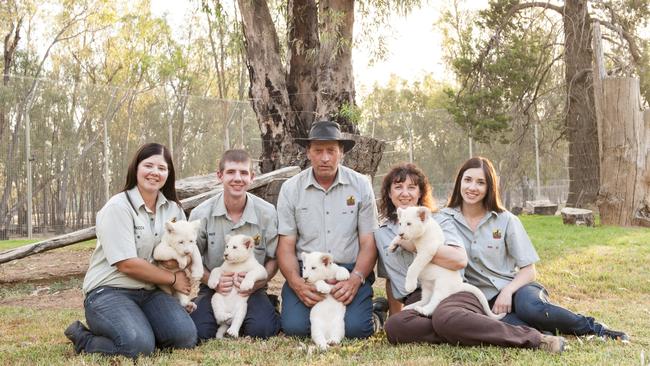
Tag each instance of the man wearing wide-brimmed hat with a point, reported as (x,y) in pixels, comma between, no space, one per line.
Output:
(327,208)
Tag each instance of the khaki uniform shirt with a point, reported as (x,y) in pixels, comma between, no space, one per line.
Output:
(259,220)
(123,234)
(496,250)
(331,220)
(393,266)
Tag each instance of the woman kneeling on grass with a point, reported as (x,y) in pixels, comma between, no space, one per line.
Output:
(502,257)
(126,313)
(460,318)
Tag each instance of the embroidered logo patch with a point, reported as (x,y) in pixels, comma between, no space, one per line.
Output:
(496,234)
(257,239)
(350,201)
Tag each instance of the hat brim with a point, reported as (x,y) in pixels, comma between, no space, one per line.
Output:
(347,144)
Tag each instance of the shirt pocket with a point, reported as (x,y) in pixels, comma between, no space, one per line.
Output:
(307,223)
(494,254)
(348,220)
(144,244)
(259,249)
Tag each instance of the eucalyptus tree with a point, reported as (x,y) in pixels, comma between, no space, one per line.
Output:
(505,59)
(314,80)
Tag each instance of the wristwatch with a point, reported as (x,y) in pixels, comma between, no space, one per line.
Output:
(360,275)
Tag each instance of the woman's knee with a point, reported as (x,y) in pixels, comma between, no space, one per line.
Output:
(360,327)
(394,327)
(529,305)
(185,336)
(133,343)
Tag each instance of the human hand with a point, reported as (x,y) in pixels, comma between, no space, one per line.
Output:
(182,283)
(226,283)
(345,291)
(307,293)
(246,288)
(503,303)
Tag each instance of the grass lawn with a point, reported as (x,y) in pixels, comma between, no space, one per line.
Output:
(599,271)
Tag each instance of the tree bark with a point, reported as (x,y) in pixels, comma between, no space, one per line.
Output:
(580,119)
(335,78)
(304,47)
(268,88)
(625,187)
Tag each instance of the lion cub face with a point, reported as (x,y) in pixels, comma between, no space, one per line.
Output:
(238,248)
(317,266)
(181,235)
(412,222)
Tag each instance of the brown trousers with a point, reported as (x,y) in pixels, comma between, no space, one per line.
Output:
(458,320)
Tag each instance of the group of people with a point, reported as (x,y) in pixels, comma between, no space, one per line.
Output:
(327,208)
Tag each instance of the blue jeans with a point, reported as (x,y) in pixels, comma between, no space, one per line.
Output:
(133,322)
(358,314)
(531,307)
(261,321)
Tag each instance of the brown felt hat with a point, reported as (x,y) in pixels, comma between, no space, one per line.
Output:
(326,131)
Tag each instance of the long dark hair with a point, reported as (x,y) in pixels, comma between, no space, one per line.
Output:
(398,174)
(491,201)
(144,152)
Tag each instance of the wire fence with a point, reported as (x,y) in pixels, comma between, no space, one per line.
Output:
(82,136)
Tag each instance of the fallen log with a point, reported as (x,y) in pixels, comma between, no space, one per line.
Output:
(188,204)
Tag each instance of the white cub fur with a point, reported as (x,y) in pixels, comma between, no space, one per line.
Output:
(419,231)
(230,310)
(179,242)
(327,316)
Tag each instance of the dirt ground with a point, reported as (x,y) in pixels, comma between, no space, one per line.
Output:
(43,269)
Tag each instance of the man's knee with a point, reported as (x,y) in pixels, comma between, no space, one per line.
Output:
(264,329)
(359,326)
(295,326)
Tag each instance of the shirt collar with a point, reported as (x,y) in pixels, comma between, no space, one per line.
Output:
(457,214)
(248,215)
(341,178)
(138,201)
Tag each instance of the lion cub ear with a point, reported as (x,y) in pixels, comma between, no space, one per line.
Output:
(169,226)
(249,242)
(423,212)
(326,259)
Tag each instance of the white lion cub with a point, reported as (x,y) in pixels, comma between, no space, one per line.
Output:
(179,243)
(326,317)
(417,227)
(230,310)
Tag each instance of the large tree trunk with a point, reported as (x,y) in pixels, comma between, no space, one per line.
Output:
(318,84)
(304,47)
(624,197)
(581,124)
(335,78)
(268,88)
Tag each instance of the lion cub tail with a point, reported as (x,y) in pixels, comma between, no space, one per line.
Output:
(481,298)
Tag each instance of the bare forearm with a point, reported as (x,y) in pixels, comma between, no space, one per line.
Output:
(367,255)
(525,276)
(144,271)
(287,260)
(451,257)
(271,267)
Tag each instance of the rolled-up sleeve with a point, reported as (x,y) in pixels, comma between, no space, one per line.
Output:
(272,236)
(286,211)
(449,230)
(115,232)
(518,243)
(368,222)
